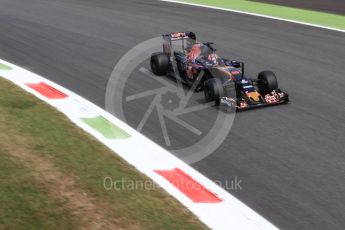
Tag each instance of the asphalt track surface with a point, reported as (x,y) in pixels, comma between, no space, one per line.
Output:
(290,158)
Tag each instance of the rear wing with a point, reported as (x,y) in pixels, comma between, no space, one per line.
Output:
(179,36)
(176,36)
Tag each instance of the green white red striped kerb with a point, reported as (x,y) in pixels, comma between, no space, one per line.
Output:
(210,203)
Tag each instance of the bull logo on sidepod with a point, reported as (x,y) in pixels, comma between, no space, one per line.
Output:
(172,115)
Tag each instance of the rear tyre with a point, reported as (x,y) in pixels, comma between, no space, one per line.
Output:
(159,63)
(267,82)
(213,90)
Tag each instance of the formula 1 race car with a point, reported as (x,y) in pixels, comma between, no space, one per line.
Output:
(223,81)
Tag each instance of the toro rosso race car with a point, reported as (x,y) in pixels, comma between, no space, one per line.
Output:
(223,81)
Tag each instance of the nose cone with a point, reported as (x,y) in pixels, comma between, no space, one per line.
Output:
(254,97)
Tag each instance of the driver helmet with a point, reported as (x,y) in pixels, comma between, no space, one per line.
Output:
(213,58)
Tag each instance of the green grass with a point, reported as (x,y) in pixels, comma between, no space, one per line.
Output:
(308,16)
(45,134)
(24,204)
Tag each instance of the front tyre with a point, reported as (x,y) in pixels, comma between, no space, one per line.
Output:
(159,63)
(213,90)
(267,82)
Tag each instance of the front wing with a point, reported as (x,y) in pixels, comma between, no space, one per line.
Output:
(230,104)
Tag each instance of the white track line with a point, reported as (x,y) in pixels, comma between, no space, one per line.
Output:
(254,14)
